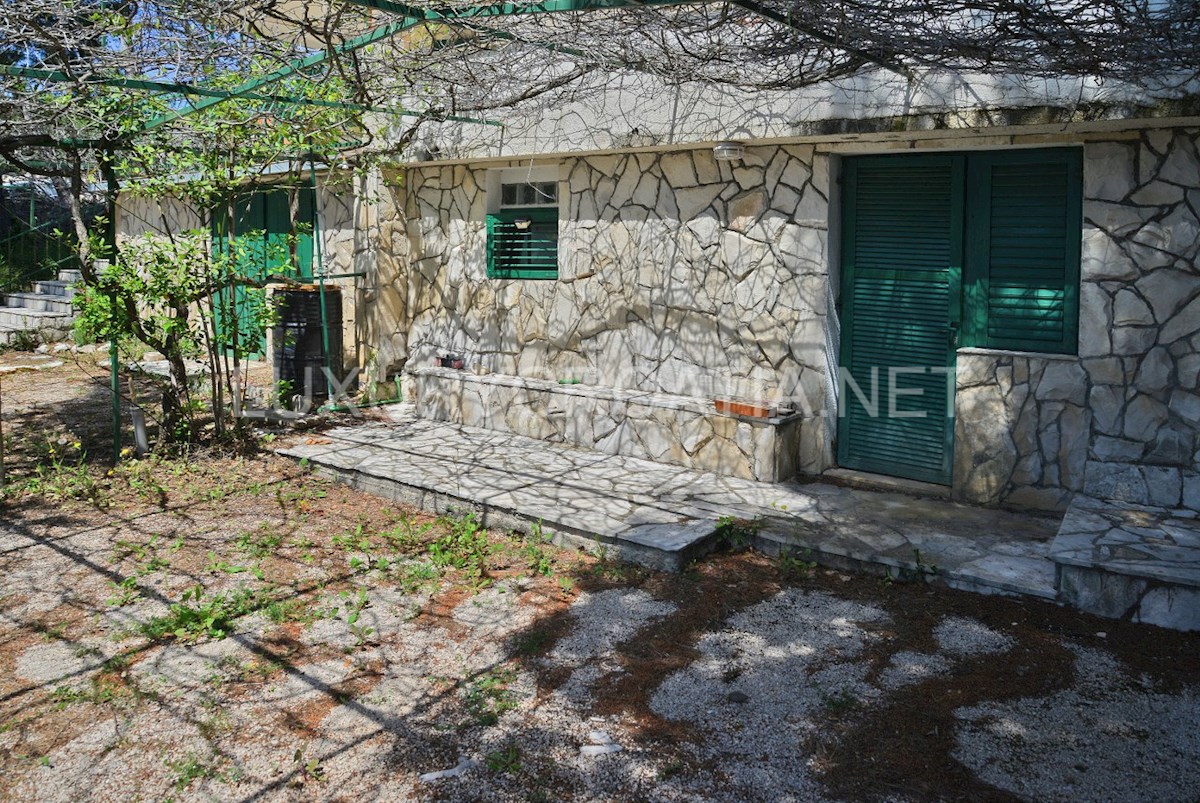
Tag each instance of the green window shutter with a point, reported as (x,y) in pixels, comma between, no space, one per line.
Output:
(530,253)
(1022,271)
(278,227)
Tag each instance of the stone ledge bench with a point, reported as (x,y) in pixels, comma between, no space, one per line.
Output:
(1128,561)
(666,428)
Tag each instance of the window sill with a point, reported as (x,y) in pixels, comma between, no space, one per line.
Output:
(976,351)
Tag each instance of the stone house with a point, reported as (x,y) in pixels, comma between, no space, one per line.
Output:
(1000,297)
(989,285)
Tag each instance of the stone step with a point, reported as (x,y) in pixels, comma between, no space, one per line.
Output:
(41,302)
(1126,561)
(12,336)
(65,275)
(23,326)
(55,288)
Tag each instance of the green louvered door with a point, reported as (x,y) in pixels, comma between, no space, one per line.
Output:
(901,301)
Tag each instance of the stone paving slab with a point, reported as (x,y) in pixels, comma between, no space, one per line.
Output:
(1129,561)
(665,516)
(1152,543)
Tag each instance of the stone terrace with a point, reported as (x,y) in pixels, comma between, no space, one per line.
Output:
(665,516)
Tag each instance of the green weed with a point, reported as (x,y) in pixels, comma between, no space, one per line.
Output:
(197,616)
(407,536)
(311,768)
(464,545)
(506,760)
(840,702)
(190,769)
(417,575)
(259,544)
(488,695)
(125,592)
(355,604)
(540,560)
(737,534)
(219,566)
(792,567)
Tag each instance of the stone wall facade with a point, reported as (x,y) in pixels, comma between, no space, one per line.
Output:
(678,275)
(1122,420)
(1140,318)
(686,277)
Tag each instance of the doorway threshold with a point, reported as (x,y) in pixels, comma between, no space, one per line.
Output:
(883,482)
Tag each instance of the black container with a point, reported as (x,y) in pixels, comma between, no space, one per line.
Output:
(299,347)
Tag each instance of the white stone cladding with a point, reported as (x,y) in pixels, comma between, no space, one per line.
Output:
(1122,420)
(685,276)
(679,275)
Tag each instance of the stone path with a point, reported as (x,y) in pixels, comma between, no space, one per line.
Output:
(665,516)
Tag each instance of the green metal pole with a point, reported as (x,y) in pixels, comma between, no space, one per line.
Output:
(33,243)
(116,380)
(370,37)
(170,88)
(320,265)
(110,238)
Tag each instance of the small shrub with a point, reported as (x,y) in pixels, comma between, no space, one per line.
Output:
(737,534)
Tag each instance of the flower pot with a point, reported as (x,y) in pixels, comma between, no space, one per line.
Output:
(743,408)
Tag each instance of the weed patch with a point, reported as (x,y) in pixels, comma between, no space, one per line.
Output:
(488,696)
(197,616)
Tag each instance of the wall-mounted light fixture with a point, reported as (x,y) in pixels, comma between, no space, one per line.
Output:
(522,223)
(729,151)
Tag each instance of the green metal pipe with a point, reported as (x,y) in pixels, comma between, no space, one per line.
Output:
(167,87)
(115,379)
(512,9)
(376,34)
(320,264)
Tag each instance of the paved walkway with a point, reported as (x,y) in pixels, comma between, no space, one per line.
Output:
(664,516)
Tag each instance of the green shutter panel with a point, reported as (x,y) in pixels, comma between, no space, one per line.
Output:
(279,226)
(1023,254)
(523,253)
(901,254)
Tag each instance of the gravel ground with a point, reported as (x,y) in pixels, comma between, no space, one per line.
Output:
(446,679)
(236,629)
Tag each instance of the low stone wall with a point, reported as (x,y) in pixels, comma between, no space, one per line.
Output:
(680,430)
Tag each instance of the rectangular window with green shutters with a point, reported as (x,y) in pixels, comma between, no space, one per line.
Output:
(523,243)
(522,235)
(1023,228)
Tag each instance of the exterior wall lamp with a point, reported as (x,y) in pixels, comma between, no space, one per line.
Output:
(729,151)
(522,223)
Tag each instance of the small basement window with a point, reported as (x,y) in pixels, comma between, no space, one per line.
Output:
(522,235)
